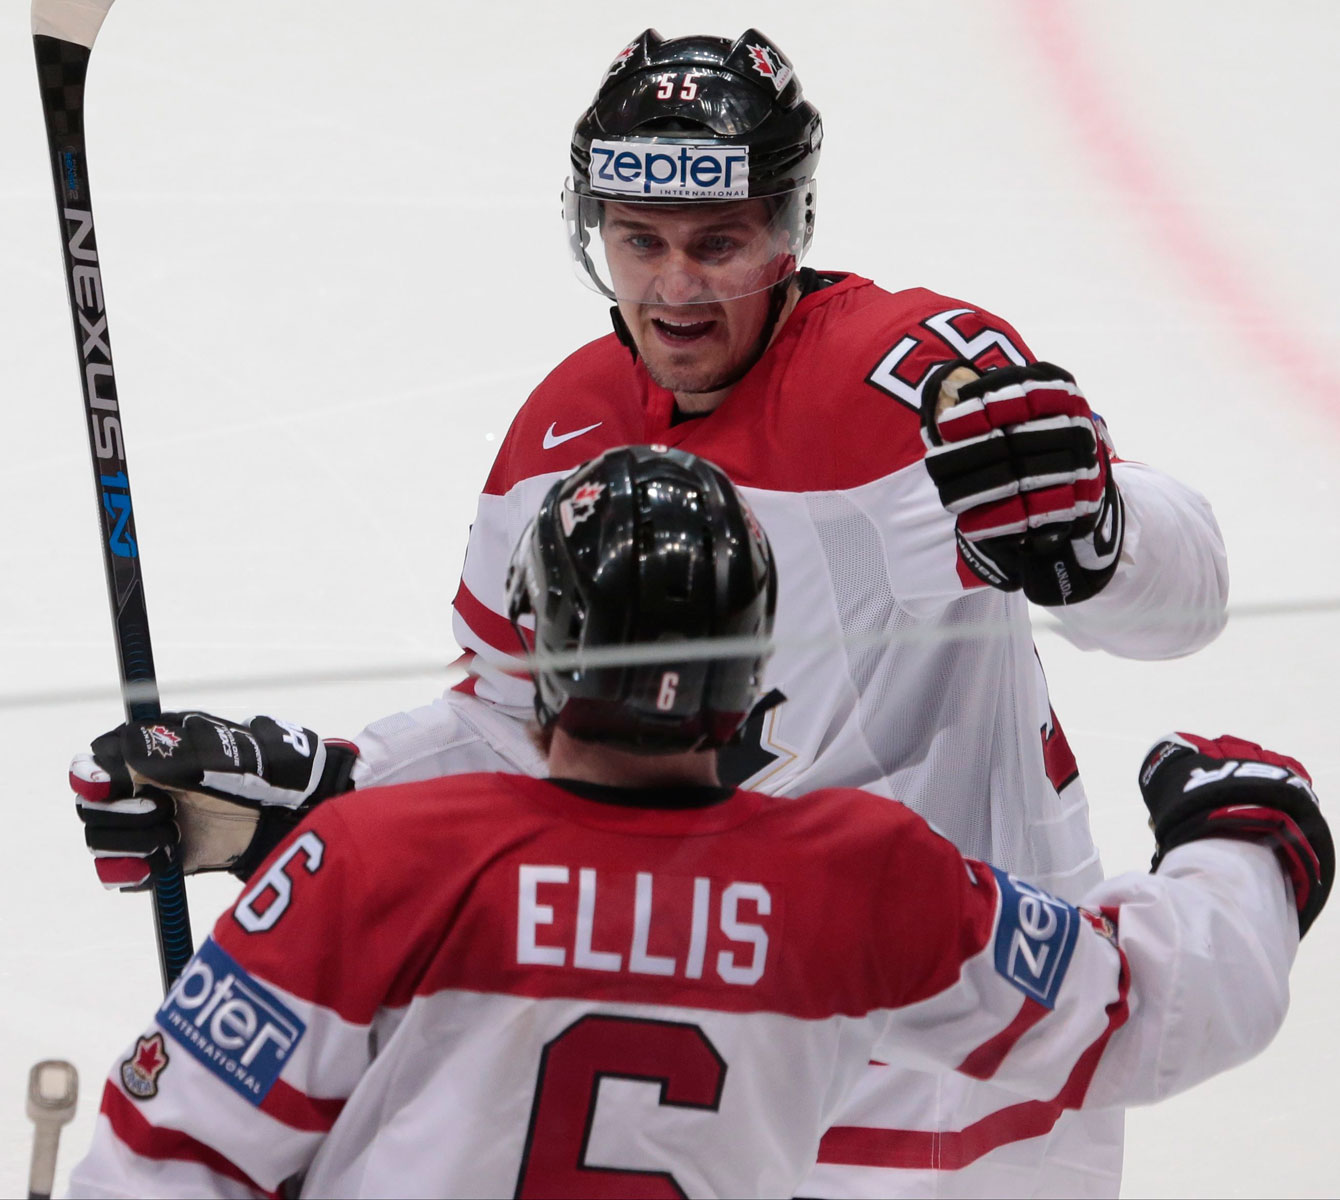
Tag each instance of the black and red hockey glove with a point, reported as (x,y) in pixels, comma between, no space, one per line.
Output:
(211,794)
(1197,787)
(1020,460)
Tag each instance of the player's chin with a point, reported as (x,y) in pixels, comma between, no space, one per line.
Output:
(683,372)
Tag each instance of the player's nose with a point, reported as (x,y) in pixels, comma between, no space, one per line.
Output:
(680,280)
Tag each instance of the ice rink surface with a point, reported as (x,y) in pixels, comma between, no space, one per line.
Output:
(334,267)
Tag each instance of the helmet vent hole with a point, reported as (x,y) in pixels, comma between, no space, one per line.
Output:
(672,126)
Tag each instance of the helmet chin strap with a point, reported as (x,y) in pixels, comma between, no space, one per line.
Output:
(776,302)
(622,332)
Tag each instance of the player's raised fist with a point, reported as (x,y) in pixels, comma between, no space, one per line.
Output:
(1197,787)
(1023,464)
(209,793)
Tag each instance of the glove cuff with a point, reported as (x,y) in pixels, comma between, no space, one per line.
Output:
(337,776)
(1070,571)
(995,561)
(277,822)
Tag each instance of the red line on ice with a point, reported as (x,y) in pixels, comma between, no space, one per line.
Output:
(1074,74)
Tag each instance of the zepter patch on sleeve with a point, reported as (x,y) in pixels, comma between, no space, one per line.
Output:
(230,1022)
(1035,938)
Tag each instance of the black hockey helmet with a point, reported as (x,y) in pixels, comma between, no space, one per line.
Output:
(644,545)
(699,120)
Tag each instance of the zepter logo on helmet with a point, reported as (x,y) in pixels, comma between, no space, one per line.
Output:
(693,172)
(633,566)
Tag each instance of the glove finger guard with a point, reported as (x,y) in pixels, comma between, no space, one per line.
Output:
(131,838)
(1017,457)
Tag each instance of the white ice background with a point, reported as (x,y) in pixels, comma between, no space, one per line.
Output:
(333,261)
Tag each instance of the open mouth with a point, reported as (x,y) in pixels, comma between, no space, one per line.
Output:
(679,333)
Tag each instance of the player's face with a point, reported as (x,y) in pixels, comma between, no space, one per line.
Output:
(677,260)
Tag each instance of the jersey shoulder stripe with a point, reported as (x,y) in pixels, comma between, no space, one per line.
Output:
(143,1138)
(490,627)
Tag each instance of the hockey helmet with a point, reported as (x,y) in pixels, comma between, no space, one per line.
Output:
(702,121)
(637,557)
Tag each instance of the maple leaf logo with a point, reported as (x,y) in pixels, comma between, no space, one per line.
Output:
(620,61)
(580,505)
(140,1072)
(764,60)
(1102,923)
(160,740)
(149,1056)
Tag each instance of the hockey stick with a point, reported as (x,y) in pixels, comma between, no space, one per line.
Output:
(63,36)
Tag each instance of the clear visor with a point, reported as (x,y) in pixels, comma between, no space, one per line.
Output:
(655,252)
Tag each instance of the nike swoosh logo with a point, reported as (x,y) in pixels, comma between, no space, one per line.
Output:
(552,439)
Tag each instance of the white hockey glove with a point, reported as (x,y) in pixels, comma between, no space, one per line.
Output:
(1020,460)
(212,794)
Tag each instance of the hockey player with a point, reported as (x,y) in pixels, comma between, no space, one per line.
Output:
(627,980)
(922,478)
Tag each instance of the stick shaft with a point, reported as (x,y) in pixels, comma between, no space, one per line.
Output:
(42,1169)
(62,67)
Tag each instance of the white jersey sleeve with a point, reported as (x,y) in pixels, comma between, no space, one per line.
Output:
(1210,938)
(457,734)
(1154,984)
(1169,593)
(479,620)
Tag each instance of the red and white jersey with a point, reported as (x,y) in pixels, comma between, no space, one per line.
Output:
(488,985)
(896,671)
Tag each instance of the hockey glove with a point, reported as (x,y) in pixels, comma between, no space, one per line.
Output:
(1020,460)
(212,794)
(1196,787)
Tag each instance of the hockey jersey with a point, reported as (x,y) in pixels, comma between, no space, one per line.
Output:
(896,669)
(489,985)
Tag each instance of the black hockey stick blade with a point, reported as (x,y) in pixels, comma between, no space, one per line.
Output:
(63,36)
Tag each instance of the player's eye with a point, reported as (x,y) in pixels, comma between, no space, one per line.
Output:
(717,246)
(643,243)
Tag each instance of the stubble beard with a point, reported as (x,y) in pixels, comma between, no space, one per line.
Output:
(686,378)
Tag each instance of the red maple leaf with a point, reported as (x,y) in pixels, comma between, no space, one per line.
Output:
(762,60)
(149,1056)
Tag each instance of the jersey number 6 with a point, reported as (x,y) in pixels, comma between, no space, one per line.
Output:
(677,1056)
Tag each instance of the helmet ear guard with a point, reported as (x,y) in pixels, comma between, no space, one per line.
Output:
(579,243)
(643,547)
